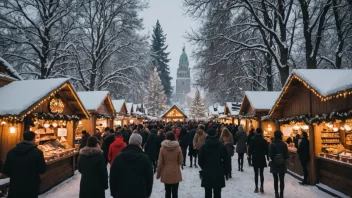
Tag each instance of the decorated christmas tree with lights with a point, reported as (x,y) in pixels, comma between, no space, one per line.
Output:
(197,109)
(155,100)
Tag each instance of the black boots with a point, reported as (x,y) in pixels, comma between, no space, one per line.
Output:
(195,162)
(261,189)
(230,175)
(191,161)
(277,195)
(256,190)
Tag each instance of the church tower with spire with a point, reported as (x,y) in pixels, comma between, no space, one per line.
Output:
(183,80)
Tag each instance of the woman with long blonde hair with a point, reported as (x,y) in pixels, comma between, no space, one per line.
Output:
(227,139)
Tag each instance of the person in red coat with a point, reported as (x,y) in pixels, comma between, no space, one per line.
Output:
(116,147)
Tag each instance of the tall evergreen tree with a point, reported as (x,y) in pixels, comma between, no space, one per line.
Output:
(155,100)
(160,59)
(197,109)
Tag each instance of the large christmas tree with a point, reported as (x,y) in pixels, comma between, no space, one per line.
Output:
(155,100)
(160,59)
(197,109)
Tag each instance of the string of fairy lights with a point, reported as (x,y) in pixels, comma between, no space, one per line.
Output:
(322,98)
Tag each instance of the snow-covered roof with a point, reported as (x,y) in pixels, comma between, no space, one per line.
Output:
(9,69)
(325,81)
(118,104)
(92,99)
(212,111)
(129,107)
(19,96)
(262,100)
(233,107)
(221,109)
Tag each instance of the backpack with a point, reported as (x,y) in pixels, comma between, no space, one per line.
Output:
(278,158)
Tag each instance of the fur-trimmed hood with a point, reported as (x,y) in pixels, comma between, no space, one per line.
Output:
(170,145)
(90,151)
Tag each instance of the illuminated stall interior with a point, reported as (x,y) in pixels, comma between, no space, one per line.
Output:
(100,108)
(121,115)
(256,104)
(51,109)
(174,114)
(318,101)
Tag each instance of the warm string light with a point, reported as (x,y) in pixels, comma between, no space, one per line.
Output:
(322,98)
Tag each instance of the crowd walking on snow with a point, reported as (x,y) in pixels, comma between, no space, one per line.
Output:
(140,154)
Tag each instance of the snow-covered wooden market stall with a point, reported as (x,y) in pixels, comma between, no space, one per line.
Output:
(51,109)
(256,104)
(174,114)
(100,108)
(121,113)
(319,102)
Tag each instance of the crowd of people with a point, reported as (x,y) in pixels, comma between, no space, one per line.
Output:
(138,153)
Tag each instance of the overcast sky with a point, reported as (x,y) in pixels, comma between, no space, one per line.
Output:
(175,24)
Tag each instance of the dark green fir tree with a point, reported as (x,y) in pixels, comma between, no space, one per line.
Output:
(160,59)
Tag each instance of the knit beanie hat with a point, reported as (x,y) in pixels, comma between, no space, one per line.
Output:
(135,139)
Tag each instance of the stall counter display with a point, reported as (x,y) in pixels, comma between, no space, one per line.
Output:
(336,142)
(54,148)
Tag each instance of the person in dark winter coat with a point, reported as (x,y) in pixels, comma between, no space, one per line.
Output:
(151,148)
(126,134)
(108,140)
(241,147)
(183,141)
(250,137)
(213,160)
(23,165)
(161,138)
(84,139)
(191,151)
(116,147)
(278,171)
(131,174)
(258,148)
(227,139)
(304,156)
(92,166)
(144,133)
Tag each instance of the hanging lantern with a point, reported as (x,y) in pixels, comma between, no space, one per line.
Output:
(269,128)
(335,129)
(55,124)
(3,123)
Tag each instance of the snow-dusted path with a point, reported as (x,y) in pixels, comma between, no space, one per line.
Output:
(241,185)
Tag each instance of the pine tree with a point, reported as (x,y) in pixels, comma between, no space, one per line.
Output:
(155,100)
(160,59)
(197,109)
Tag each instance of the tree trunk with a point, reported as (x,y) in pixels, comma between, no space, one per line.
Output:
(269,72)
(284,73)
(338,57)
(93,76)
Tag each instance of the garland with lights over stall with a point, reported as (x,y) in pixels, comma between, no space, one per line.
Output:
(51,109)
(319,103)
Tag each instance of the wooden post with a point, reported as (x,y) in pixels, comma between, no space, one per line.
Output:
(313,162)
(93,121)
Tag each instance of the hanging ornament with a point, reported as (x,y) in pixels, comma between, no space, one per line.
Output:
(56,105)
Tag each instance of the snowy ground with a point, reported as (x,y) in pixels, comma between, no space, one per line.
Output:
(241,185)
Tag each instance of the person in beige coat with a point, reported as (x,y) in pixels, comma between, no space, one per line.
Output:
(170,160)
(198,141)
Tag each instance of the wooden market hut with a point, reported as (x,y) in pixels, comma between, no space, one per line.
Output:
(174,114)
(139,113)
(121,118)
(232,110)
(7,73)
(319,101)
(100,108)
(256,104)
(50,108)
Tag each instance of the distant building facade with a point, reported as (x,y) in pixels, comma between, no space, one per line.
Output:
(183,82)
